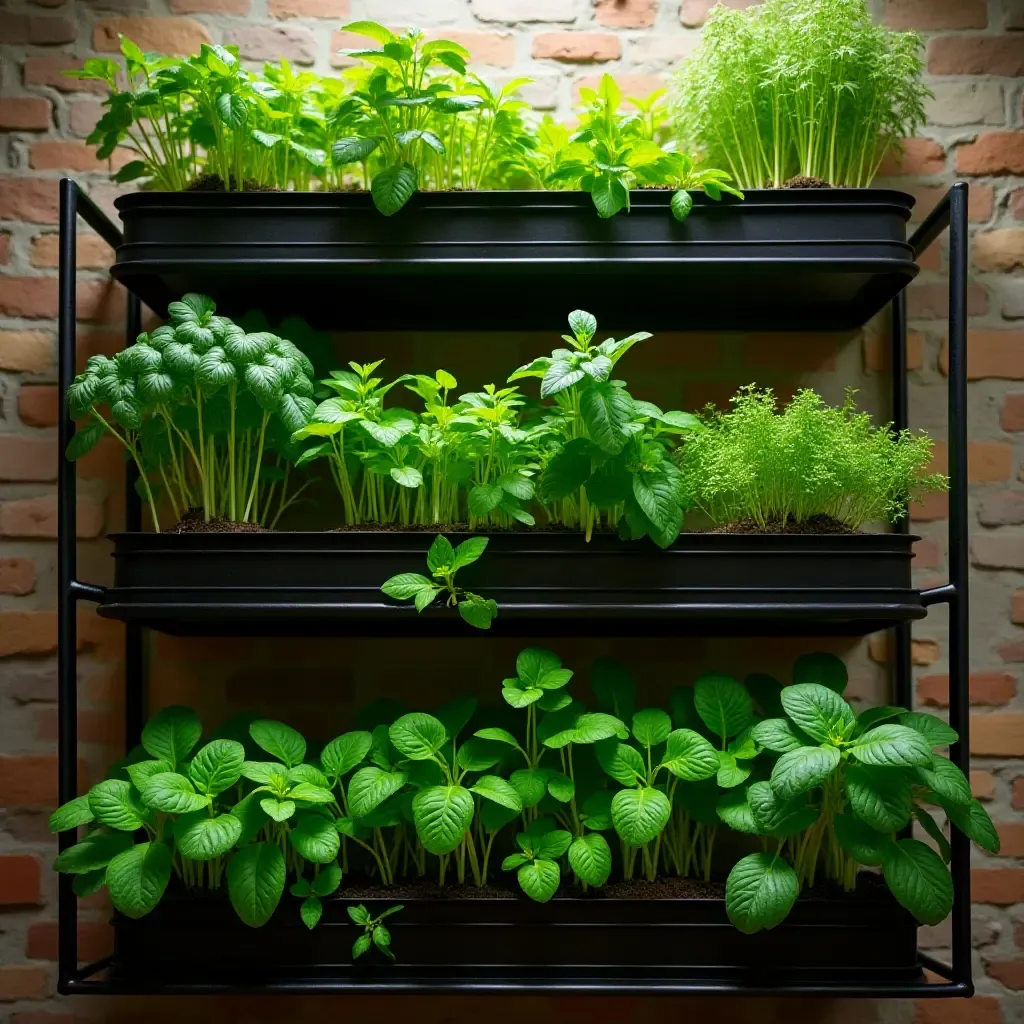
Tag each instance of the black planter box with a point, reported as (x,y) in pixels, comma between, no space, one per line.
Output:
(550,584)
(797,259)
(595,943)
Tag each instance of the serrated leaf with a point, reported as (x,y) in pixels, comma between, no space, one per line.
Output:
(759,892)
(689,756)
(256,877)
(723,704)
(880,797)
(640,814)
(893,746)
(200,837)
(171,734)
(919,880)
(137,878)
(591,859)
(819,712)
(315,837)
(539,879)
(280,740)
(802,770)
(441,815)
(217,766)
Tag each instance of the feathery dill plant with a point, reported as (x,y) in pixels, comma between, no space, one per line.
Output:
(754,464)
(806,87)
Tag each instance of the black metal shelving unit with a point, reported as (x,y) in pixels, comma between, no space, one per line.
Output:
(952,979)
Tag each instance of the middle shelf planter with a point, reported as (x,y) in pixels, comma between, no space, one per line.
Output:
(546,584)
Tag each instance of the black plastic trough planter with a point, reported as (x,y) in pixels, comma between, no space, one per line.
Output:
(798,259)
(553,584)
(594,942)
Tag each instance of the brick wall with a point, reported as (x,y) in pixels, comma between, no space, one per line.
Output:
(975,64)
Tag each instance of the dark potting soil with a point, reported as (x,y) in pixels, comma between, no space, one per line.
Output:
(820,525)
(803,181)
(193,521)
(215,183)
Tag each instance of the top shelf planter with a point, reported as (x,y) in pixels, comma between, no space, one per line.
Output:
(800,259)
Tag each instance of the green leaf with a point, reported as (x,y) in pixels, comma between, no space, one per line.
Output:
(689,756)
(870,717)
(141,772)
(171,734)
(946,780)
(735,810)
(513,861)
(327,882)
(498,736)
(353,150)
(863,843)
(609,194)
(802,770)
(534,663)
(591,859)
(407,476)
(730,773)
(623,762)
(476,755)
(821,668)
(928,823)
(256,876)
(485,498)
(779,735)
(819,712)
(567,471)
(84,440)
(360,946)
(382,940)
(359,915)
(723,704)
(231,110)
(74,813)
(779,818)
(418,736)
(311,912)
(594,727)
(681,204)
(345,752)
(173,794)
(478,611)
(760,892)
(518,698)
(651,726)
(919,880)
(540,879)
(655,493)
(531,785)
(561,787)
(200,837)
(370,787)
(496,789)
(392,188)
(280,740)
(315,837)
(931,727)
(893,746)
(92,853)
(640,814)
(597,811)
(468,552)
(115,804)
(265,772)
(441,815)
(408,585)
(880,797)
(89,883)
(217,766)
(606,409)
(974,822)
(279,810)
(137,878)
(440,554)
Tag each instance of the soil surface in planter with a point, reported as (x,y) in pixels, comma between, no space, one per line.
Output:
(194,521)
(804,181)
(813,524)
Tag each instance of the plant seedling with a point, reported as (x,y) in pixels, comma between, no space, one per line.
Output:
(374,932)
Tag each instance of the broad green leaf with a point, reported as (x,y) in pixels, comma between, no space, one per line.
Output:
(555,679)
(217,766)
(345,752)
(561,787)
(310,792)
(730,772)
(477,755)
(279,810)
(821,668)
(946,780)
(863,843)
(606,410)
(418,736)
(370,787)
(681,204)
(819,712)
(723,704)
(311,911)
(597,811)
(72,814)
(517,698)
(477,611)
(484,499)
(280,740)
(893,746)
(531,785)
(656,494)
(651,726)
(392,188)
(776,817)
(89,883)
(779,735)
(802,770)
(251,815)
(640,814)
(534,662)
(171,734)
(622,762)
(689,756)
(870,717)
(441,815)
(232,110)
(360,946)
(596,726)
(256,876)
(142,771)
(735,810)
(353,150)
(567,471)
(613,687)
(265,772)
(880,797)
(468,552)
(407,476)
(407,585)
(115,804)
(92,853)
(919,880)
(498,736)
(591,859)
(513,861)
(550,844)
(173,794)
(496,789)
(560,376)
(539,879)
(138,877)
(760,892)
(327,881)
(974,822)
(931,727)
(200,837)
(315,837)
(928,823)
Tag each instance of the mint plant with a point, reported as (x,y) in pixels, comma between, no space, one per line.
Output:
(444,562)
(374,931)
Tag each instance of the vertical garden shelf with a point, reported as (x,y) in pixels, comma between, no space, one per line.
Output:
(827,259)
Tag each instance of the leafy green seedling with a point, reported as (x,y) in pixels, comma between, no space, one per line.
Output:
(374,932)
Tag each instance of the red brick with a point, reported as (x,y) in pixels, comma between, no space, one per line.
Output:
(927,300)
(577,47)
(84,115)
(35,30)
(95,940)
(26,351)
(975,55)
(1012,415)
(987,461)
(29,297)
(25,114)
(497,49)
(92,252)
(23,981)
(932,14)
(926,554)
(922,652)
(630,84)
(5,248)
(999,734)
(1011,838)
(19,881)
(977,1010)
(311,9)
(211,7)
(49,70)
(1008,972)
(1002,249)
(176,37)
(785,353)
(93,726)
(919,156)
(1016,203)
(1001,887)
(693,13)
(990,354)
(28,199)
(992,153)
(28,780)
(17,575)
(626,13)
(272,42)
(1003,509)
(1017,794)
(1017,608)
(37,517)
(67,155)
(1011,653)
(929,508)
(38,405)
(100,301)
(980,202)
(27,458)
(983,785)
(985,688)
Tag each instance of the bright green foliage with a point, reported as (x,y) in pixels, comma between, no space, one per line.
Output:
(754,464)
(374,931)
(807,87)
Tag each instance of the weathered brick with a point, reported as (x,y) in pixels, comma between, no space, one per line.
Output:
(975,55)
(272,42)
(25,114)
(1007,972)
(5,248)
(1011,838)
(17,575)
(37,517)
(28,780)
(985,688)
(1011,416)
(1001,887)
(497,49)
(626,13)
(49,70)
(998,734)
(983,785)
(965,103)
(980,203)
(934,14)
(577,47)
(29,297)
(38,405)
(1016,203)
(977,1010)
(1003,509)
(1001,249)
(1017,608)
(929,301)
(987,461)
(23,981)
(1011,653)
(91,252)
(237,7)
(927,554)
(27,351)
(1002,549)
(176,37)
(930,507)
(27,458)
(36,30)
(19,881)
(922,652)
(693,13)
(513,11)
(95,940)
(74,155)
(878,351)
(28,199)
(93,726)
(919,156)
(662,51)
(309,8)
(630,84)
(100,301)
(992,153)
(1017,793)
(84,115)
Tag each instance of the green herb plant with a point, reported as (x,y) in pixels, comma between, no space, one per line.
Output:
(374,931)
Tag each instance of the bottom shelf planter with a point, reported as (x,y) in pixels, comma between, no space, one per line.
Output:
(500,940)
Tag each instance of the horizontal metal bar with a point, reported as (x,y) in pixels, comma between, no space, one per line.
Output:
(86,591)
(931,227)
(929,963)
(938,595)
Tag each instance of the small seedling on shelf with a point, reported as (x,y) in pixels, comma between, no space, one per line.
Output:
(374,932)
